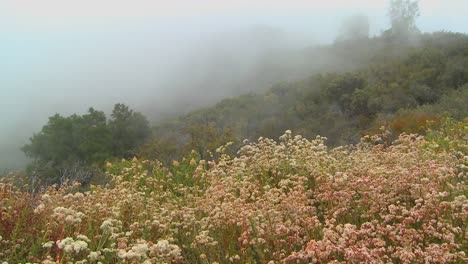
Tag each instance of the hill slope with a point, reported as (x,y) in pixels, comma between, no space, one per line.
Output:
(398,84)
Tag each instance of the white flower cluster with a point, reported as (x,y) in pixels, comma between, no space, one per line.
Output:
(39,209)
(111,226)
(67,215)
(164,250)
(69,245)
(137,252)
(48,244)
(144,251)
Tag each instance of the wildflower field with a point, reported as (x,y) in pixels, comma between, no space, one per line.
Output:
(289,201)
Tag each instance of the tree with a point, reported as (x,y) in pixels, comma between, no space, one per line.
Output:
(77,142)
(85,138)
(129,130)
(94,137)
(55,142)
(74,147)
(403,14)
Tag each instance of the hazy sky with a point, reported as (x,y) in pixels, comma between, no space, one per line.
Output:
(65,56)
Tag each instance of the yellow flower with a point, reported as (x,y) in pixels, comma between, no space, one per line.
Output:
(193,162)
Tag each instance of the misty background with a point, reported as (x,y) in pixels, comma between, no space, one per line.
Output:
(166,59)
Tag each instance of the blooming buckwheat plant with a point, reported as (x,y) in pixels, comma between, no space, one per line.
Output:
(295,200)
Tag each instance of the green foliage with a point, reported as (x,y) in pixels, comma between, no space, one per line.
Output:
(454,103)
(76,137)
(402,87)
(451,135)
(129,131)
(72,148)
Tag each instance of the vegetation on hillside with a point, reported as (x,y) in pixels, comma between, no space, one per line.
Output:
(293,200)
(404,86)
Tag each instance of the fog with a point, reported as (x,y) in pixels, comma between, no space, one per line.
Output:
(160,60)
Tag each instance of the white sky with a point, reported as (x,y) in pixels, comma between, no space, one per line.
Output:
(66,55)
(62,14)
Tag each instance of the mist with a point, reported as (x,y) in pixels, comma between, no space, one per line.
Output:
(166,64)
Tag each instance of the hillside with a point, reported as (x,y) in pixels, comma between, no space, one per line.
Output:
(405,84)
(397,84)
